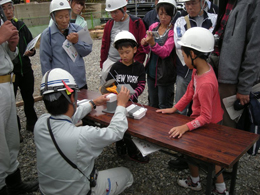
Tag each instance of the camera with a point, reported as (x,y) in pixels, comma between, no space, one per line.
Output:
(155,34)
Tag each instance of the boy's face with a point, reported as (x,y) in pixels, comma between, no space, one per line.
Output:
(187,60)
(127,54)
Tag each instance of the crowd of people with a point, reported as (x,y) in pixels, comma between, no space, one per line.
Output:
(208,52)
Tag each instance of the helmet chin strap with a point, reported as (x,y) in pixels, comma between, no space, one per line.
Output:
(122,10)
(61,29)
(201,7)
(73,103)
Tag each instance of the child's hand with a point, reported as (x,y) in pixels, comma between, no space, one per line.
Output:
(167,110)
(178,131)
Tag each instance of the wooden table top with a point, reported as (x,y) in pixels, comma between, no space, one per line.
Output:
(211,143)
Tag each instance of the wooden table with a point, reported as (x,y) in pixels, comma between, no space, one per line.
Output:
(212,144)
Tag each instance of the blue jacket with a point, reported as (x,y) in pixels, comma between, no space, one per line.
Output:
(52,55)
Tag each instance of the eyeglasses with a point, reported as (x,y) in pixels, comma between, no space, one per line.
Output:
(9,8)
(114,13)
(191,3)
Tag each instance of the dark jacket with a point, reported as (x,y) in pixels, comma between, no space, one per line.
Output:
(22,64)
(136,27)
(150,18)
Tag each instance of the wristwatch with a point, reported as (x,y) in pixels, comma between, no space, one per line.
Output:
(93,104)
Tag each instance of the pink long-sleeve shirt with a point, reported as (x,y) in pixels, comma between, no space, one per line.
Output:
(206,106)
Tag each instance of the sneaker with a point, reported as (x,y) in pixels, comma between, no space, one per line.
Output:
(187,183)
(215,192)
(139,158)
(178,164)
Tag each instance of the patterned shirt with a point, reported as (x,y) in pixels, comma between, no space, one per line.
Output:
(223,23)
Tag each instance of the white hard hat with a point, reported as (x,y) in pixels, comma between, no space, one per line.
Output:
(56,80)
(2,2)
(56,5)
(124,35)
(198,38)
(112,5)
(173,2)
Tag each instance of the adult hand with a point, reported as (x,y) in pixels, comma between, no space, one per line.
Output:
(167,110)
(7,30)
(244,99)
(178,131)
(149,38)
(123,96)
(143,42)
(73,37)
(13,41)
(30,53)
(101,100)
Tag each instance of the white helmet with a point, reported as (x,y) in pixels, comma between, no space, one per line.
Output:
(56,80)
(198,38)
(173,2)
(112,5)
(2,2)
(56,5)
(124,35)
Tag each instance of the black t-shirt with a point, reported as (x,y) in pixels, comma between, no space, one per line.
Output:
(133,74)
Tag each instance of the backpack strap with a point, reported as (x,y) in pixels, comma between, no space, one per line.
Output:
(187,21)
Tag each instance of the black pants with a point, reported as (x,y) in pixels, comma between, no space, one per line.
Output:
(25,83)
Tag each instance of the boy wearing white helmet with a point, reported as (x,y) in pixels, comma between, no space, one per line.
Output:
(196,44)
(52,54)
(121,20)
(128,71)
(197,16)
(65,153)
(10,177)
(24,78)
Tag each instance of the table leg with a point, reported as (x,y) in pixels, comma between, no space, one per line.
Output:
(211,168)
(233,179)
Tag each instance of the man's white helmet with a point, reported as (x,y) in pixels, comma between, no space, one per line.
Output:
(173,2)
(112,5)
(56,5)
(198,38)
(56,80)
(2,2)
(124,35)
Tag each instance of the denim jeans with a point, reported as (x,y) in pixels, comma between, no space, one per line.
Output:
(181,87)
(160,96)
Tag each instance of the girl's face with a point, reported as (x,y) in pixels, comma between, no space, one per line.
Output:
(187,60)
(164,17)
(76,8)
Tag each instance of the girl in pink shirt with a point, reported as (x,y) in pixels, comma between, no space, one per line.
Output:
(196,43)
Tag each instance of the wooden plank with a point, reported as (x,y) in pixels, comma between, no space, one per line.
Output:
(36,99)
(212,143)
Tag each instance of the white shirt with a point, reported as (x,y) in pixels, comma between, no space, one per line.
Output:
(82,145)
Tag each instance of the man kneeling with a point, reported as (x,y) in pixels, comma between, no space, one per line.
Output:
(65,153)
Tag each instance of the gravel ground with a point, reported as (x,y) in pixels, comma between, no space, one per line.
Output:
(154,178)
